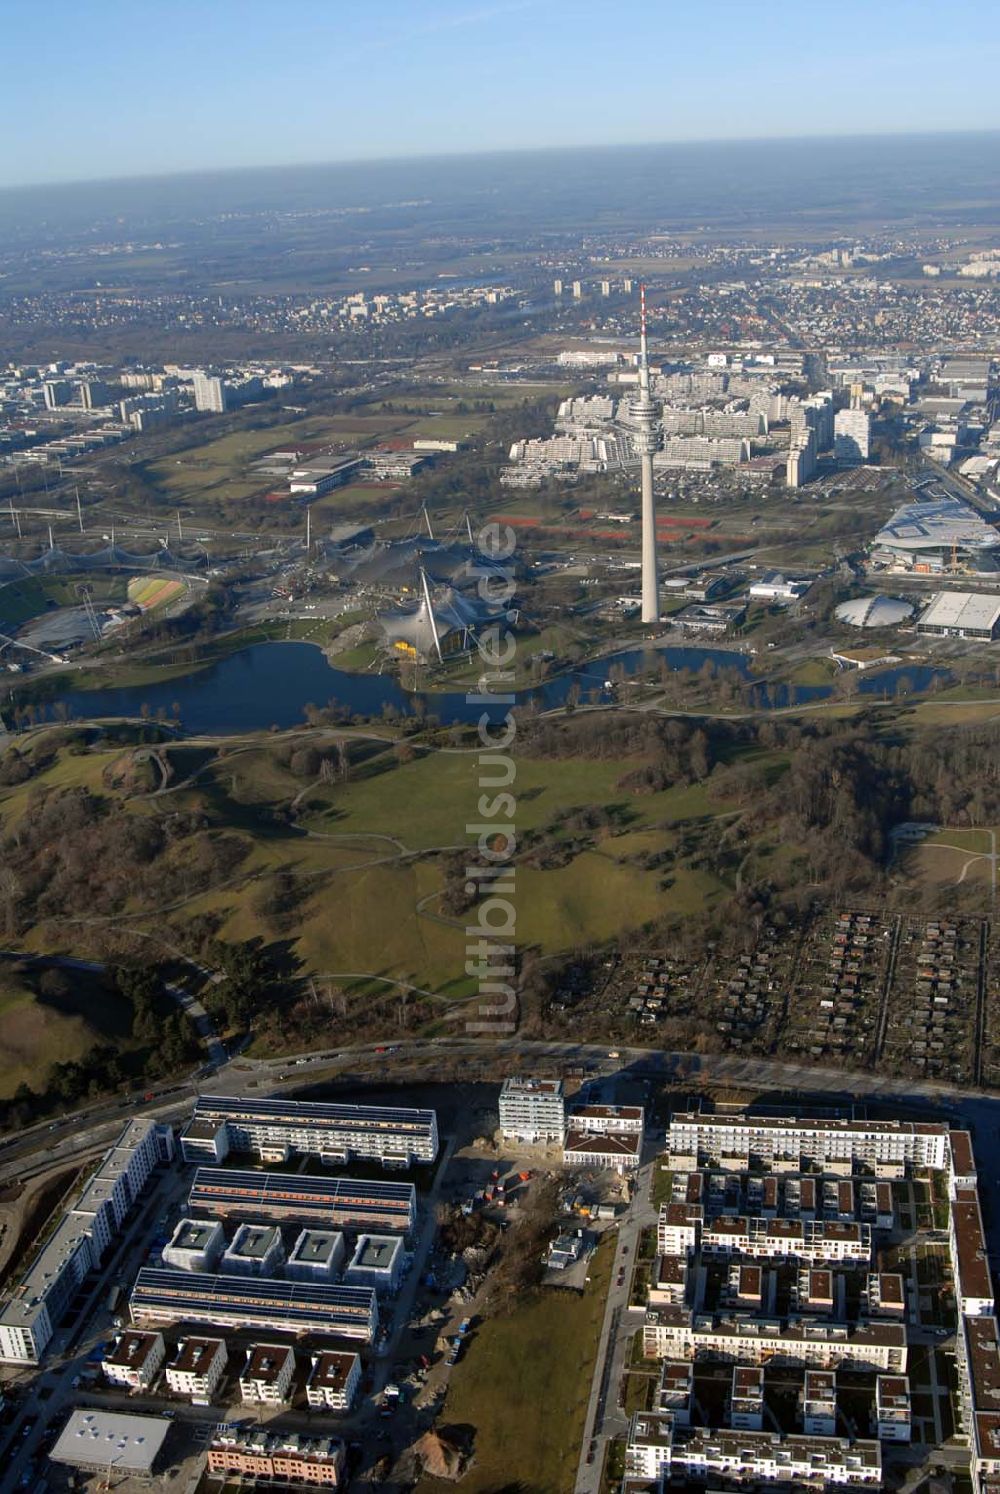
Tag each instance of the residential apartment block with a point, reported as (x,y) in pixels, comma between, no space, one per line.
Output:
(532,1110)
(253,1302)
(276,1129)
(333,1381)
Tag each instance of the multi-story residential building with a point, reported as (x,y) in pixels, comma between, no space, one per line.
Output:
(197,1368)
(973,1282)
(885,1295)
(746,1398)
(279,1457)
(275,1129)
(675,1390)
(40,1298)
(135,1361)
(650,1439)
(732,1142)
(316,1255)
(678,1227)
(333,1380)
(819,1403)
(195,1245)
(253,1302)
(267,1375)
(532,1110)
(672,1332)
(852,435)
(377,1262)
(892,1408)
(209,393)
(288,1198)
(768,1457)
(785,1239)
(256,1250)
(619,1151)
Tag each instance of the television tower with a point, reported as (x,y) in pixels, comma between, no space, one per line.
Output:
(644,413)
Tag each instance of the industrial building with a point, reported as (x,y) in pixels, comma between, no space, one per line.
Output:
(161,1297)
(96,1441)
(79,1243)
(962,614)
(276,1129)
(195,1245)
(377,1262)
(288,1198)
(333,1381)
(316,1255)
(532,1109)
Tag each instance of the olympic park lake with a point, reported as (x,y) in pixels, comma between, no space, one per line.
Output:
(270,684)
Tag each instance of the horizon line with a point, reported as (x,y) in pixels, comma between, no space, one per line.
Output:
(174,174)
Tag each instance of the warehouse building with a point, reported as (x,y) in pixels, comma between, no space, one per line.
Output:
(276,1129)
(288,1198)
(962,614)
(160,1297)
(94,1441)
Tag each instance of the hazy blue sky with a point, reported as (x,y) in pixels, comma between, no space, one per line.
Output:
(125,87)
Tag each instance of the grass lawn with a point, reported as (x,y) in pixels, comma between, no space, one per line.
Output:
(524,1385)
(35,1033)
(22,600)
(977,842)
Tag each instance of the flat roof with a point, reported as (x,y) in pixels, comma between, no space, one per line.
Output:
(376,1252)
(332,1369)
(316,1246)
(962,1157)
(514,1084)
(133,1348)
(115,1439)
(194,1355)
(312,1114)
(193,1234)
(195,1294)
(984,1361)
(266,1362)
(973,1267)
(795,1124)
(962,609)
(254,1241)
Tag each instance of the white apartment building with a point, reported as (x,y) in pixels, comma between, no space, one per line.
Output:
(786,1239)
(135,1361)
(532,1110)
(678,1227)
(970,1261)
(768,1457)
(676,1332)
(892,1408)
(276,1129)
(647,1452)
(39,1299)
(614,1151)
(746,1398)
(209,393)
(819,1403)
(333,1381)
(267,1375)
(197,1368)
(732,1142)
(852,435)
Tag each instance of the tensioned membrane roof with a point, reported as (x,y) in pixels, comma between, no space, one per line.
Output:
(874,612)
